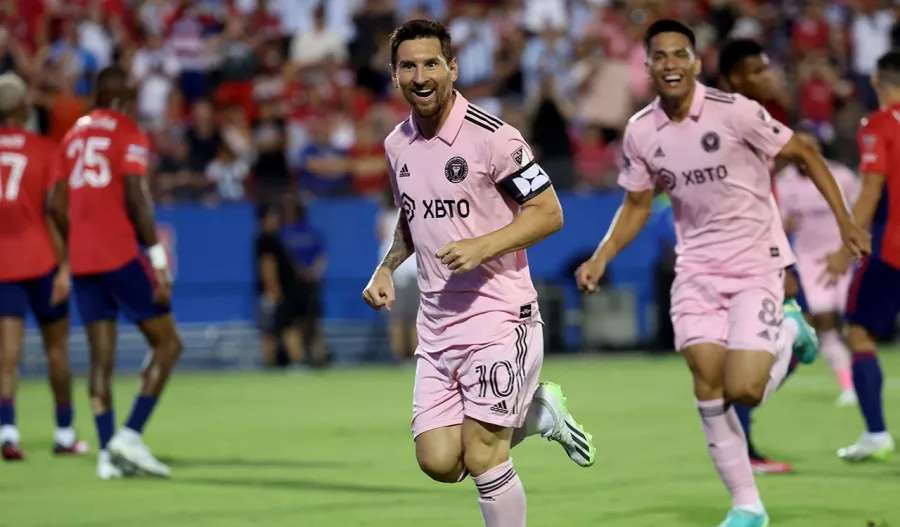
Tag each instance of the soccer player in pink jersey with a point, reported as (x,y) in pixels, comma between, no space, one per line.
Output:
(707,148)
(473,200)
(808,218)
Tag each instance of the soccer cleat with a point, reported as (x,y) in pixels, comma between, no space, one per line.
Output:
(12,452)
(131,454)
(806,346)
(578,444)
(745,518)
(767,466)
(78,448)
(847,398)
(869,447)
(106,469)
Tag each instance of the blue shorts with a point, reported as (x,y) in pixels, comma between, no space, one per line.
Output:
(801,296)
(15,297)
(873,301)
(128,289)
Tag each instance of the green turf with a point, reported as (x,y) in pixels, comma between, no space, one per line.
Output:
(334,449)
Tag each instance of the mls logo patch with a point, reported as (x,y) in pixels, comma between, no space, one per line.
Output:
(667,178)
(456,169)
(518,155)
(710,142)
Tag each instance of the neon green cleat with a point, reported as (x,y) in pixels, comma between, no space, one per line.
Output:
(806,345)
(870,447)
(745,518)
(578,444)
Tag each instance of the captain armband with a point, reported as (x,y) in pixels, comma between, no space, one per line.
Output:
(527,183)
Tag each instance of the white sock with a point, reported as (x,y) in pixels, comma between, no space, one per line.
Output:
(878,437)
(791,330)
(538,420)
(64,436)
(9,434)
(104,456)
(755,508)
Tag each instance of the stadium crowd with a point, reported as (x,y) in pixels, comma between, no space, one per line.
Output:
(252,99)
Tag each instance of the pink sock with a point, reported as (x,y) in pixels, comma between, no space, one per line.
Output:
(501,496)
(835,352)
(728,450)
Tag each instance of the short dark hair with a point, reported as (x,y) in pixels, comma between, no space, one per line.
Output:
(895,36)
(735,52)
(667,25)
(416,29)
(889,68)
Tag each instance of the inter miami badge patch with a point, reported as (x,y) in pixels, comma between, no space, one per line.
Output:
(710,142)
(518,155)
(456,169)
(667,178)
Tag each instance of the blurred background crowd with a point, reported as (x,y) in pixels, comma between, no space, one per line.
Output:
(248,99)
(249,102)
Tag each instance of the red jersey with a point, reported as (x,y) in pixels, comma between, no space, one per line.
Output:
(879,147)
(27,171)
(101,149)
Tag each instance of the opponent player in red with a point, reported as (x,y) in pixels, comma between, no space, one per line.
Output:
(103,205)
(473,200)
(33,269)
(874,298)
(705,147)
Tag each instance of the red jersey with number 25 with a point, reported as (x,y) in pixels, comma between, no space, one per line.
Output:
(101,149)
(27,171)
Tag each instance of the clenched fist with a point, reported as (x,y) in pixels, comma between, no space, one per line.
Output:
(380,290)
(589,273)
(462,256)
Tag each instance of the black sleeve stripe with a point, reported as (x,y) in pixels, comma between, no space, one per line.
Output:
(483,114)
(527,183)
(720,97)
(488,127)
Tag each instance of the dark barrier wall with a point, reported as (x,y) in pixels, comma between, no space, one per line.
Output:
(214,265)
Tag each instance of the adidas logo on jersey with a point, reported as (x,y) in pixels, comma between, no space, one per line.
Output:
(659,152)
(764,334)
(404,172)
(500,408)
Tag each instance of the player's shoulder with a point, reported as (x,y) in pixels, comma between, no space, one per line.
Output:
(399,137)
(718,96)
(878,120)
(640,115)
(479,123)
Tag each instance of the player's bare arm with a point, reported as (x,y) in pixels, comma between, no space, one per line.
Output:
(58,208)
(62,282)
(628,222)
(379,292)
(856,239)
(539,217)
(838,262)
(268,270)
(140,209)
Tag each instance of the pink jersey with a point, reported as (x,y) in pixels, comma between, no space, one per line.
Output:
(714,167)
(815,230)
(465,182)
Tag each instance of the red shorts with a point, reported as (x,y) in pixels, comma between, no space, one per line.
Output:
(493,384)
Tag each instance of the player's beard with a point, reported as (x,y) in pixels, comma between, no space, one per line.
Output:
(433,107)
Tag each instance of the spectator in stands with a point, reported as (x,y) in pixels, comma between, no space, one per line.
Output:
(227,173)
(73,60)
(306,248)
(368,167)
(324,169)
(269,135)
(278,317)
(154,69)
(312,47)
(402,335)
(202,137)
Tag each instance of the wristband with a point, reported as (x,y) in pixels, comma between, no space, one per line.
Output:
(158,258)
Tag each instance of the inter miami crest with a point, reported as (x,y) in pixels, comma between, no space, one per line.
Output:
(667,178)
(710,142)
(456,169)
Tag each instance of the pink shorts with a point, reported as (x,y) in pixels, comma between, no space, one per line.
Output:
(493,384)
(740,313)
(819,297)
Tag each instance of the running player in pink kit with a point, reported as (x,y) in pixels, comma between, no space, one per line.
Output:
(706,148)
(807,215)
(473,200)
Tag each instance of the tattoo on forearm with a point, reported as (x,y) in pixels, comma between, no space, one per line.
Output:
(402,248)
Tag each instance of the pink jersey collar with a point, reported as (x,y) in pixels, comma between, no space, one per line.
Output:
(659,115)
(451,126)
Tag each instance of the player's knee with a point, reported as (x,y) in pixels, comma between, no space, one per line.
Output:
(707,387)
(859,339)
(481,457)
(444,467)
(749,392)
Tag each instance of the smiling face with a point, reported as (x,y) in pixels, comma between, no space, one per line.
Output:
(672,65)
(425,76)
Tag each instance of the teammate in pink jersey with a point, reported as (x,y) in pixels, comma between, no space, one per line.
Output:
(808,218)
(706,148)
(473,200)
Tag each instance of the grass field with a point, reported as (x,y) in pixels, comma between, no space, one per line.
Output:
(333,449)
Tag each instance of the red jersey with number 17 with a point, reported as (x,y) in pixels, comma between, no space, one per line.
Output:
(879,150)
(101,149)
(27,170)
